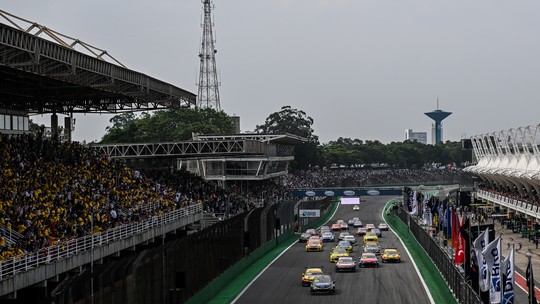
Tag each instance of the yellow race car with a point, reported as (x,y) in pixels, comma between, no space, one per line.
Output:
(314,245)
(371,237)
(337,253)
(309,275)
(390,255)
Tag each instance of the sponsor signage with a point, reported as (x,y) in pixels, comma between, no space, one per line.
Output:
(349,193)
(310,193)
(329,193)
(350,200)
(373,192)
(310,213)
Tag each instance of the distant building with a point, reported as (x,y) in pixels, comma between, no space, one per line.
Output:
(421,137)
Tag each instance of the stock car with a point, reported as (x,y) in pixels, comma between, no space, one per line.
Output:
(372,248)
(337,253)
(342,235)
(350,238)
(322,283)
(313,232)
(345,245)
(345,264)
(391,255)
(371,237)
(377,231)
(309,274)
(356,208)
(314,245)
(368,260)
(357,224)
(361,231)
(328,237)
(304,237)
(369,227)
(383,226)
(324,229)
(335,227)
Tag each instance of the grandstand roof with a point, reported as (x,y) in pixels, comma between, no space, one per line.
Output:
(42,76)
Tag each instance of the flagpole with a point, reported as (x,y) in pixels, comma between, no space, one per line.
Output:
(530,281)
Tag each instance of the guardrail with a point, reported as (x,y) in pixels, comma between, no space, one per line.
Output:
(48,255)
(511,203)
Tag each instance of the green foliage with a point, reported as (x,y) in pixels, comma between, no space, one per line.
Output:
(289,120)
(297,122)
(166,125)
(406,154)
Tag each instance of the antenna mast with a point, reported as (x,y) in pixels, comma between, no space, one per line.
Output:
(208,96)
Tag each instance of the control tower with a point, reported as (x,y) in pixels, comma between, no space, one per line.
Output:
(438,116)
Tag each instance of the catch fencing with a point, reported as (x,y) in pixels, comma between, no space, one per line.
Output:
(441,256)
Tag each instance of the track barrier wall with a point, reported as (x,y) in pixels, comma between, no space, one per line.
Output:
(211,290)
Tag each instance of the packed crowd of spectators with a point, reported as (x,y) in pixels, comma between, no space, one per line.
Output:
(320,178)
(51,192)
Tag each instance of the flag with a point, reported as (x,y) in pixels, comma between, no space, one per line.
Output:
(441,216)
(479,244)
(459,256)
(509,283)
(413,205)
(428,219)
(492,255)
(530,282)
(455,228)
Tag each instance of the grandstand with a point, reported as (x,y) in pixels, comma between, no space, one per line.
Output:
(508,169)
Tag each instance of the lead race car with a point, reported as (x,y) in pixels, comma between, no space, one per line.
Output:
(322,283)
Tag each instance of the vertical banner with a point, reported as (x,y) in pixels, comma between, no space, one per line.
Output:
(492,254)
(479,244)
(459,257)
(509,282)
(530,282)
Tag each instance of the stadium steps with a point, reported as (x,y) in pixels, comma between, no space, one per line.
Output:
(11,236)
(208,220)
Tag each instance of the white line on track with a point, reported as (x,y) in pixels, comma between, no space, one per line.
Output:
(268,266)
(410,256)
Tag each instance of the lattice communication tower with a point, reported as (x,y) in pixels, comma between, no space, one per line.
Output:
(208,95)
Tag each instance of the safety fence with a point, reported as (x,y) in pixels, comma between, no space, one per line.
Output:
(444,262)
(62,250)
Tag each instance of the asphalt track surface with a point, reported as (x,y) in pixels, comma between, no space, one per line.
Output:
(390,283)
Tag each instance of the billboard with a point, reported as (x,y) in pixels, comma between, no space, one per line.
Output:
(310,213)
(350,201)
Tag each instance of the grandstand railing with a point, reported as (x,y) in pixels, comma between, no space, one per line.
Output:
(511,203)
(69,248)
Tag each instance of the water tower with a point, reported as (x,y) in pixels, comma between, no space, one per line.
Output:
(438,116)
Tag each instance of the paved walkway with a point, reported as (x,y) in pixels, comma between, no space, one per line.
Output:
(523,248)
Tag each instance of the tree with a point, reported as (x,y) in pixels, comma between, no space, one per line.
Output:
(167,125)
(123,130)
(297,122)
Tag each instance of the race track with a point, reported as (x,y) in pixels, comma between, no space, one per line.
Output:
(390,283)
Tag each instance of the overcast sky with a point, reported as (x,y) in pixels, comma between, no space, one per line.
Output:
(360,69)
